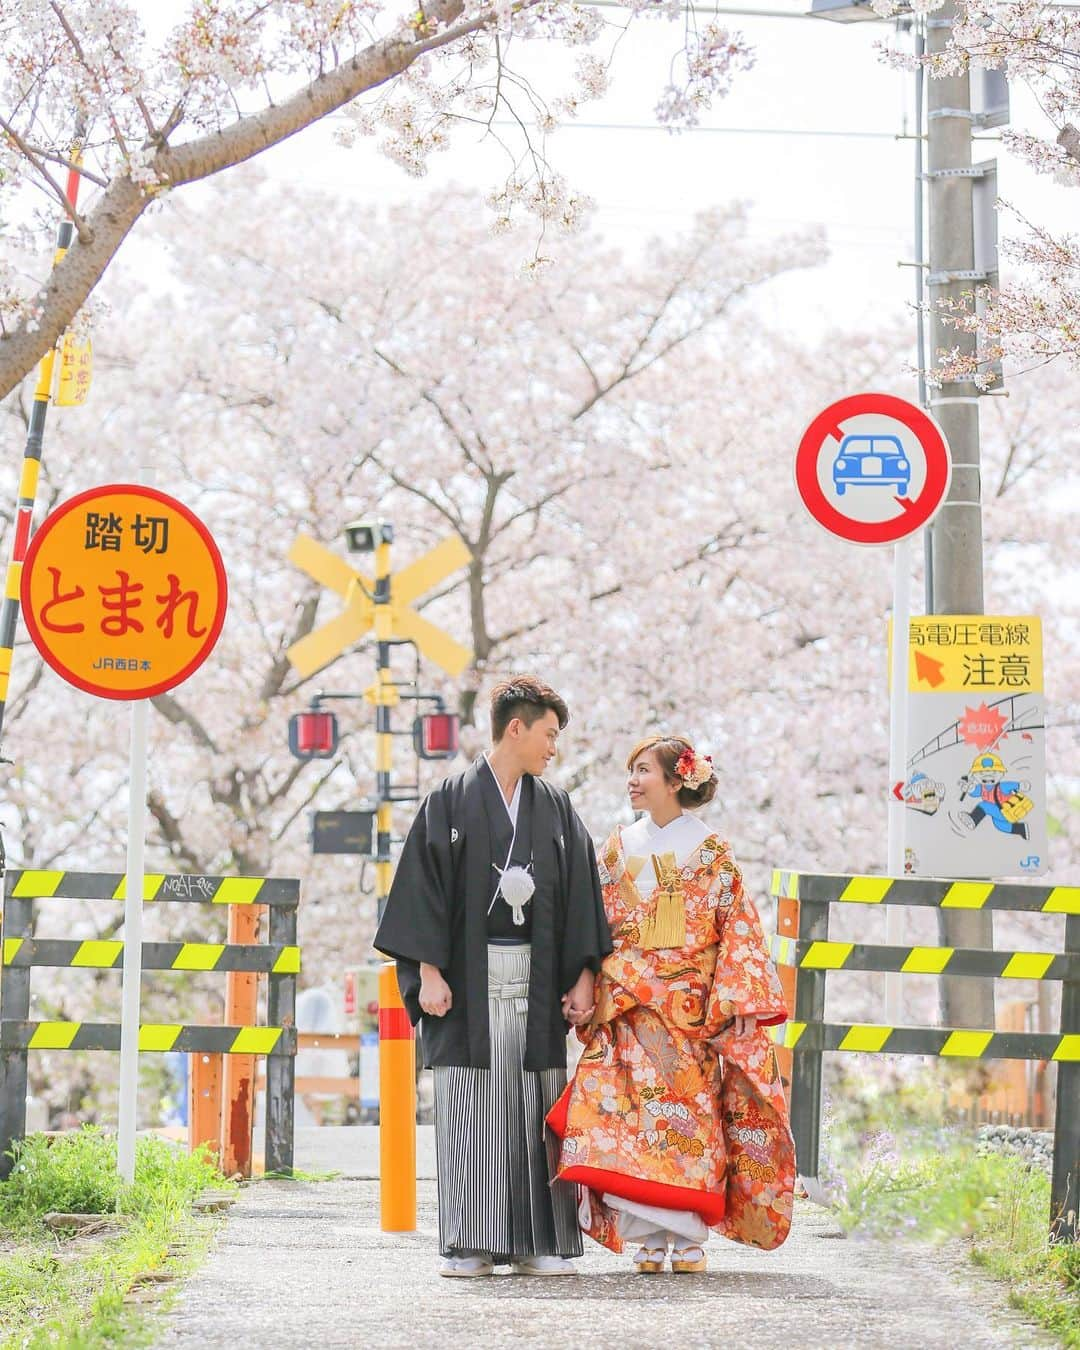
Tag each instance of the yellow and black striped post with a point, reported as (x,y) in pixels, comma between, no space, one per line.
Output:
(386,696)
(28,479)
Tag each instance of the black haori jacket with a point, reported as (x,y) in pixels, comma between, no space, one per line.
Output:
(437,913)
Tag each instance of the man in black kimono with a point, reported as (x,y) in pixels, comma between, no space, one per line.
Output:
(496,922)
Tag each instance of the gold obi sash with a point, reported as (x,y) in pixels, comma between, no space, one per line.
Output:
(665,924)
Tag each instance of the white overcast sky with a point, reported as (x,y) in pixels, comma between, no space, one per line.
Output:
(811,76)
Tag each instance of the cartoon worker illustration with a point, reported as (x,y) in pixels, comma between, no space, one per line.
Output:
(922,793)
(1001,799)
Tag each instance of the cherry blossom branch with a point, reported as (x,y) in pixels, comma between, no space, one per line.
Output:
(172,832)
(123,202)
(76,46)
(43,173)
(428,396)
(52,157)
(173,711)
(311,796)
(276,676)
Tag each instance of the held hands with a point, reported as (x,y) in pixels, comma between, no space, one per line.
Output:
(436,998)
(579,1003)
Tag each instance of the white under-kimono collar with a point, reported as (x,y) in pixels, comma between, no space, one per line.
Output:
(680,836)
(515,801)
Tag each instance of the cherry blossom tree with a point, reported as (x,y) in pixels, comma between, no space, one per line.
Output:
(82,79)
(613,441)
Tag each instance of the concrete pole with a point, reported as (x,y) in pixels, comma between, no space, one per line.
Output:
(957,531)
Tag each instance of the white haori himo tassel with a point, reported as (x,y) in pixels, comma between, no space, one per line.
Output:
(516,888)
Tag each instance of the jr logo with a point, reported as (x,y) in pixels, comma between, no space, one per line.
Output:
(1030,862)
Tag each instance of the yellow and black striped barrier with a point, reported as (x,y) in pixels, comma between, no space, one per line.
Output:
(948,1042)
(278,958)
(99,954)
(857,956)
(180,886)
(803,946)
(834,888)
(152,1037)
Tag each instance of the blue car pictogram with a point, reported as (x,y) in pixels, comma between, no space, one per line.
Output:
(871,461)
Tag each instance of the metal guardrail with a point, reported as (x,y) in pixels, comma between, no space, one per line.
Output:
(279,959)
(808,1036)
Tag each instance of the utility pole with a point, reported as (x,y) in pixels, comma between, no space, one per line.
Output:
(955,579)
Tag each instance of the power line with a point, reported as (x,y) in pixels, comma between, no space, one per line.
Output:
(721,131)
(715,9)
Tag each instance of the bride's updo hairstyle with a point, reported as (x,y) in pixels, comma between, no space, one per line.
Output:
(680,763)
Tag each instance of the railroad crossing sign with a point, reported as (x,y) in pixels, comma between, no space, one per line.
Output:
(873,468)
(318,649)
(124,591)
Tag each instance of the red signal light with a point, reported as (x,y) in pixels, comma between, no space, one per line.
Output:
(435,735)
(313,735)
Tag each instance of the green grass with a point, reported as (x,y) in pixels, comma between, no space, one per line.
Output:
(69,1292)
(298,1174)
(999,1206)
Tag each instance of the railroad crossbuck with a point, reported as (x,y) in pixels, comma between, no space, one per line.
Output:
(362,613)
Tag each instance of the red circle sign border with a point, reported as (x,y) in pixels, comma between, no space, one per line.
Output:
(162,686)
(938,469)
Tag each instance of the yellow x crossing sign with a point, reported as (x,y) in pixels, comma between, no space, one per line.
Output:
(318,649)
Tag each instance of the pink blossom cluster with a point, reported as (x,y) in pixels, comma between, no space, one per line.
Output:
(147,108)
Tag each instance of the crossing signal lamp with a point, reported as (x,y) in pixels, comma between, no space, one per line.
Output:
(365,536)
(435,735)
(313,734)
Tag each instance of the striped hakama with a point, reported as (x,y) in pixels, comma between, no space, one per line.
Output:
(495,1160)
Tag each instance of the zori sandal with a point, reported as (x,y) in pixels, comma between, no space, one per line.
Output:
(687,1260)
(650,1260)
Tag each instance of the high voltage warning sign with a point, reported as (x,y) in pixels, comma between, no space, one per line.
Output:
(975,786)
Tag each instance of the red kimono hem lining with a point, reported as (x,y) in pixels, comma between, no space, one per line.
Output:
(711,1208)
(556,1117)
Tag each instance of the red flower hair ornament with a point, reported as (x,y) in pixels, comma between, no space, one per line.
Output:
(693,769)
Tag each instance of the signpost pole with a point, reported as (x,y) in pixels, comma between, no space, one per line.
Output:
(882,445)
(898,731)
(80,586)
(133,903)
(131,998)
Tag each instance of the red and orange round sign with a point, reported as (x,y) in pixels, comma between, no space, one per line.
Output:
(124,591)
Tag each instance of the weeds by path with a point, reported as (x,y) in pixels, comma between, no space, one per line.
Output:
(998,1204)
(75,1292)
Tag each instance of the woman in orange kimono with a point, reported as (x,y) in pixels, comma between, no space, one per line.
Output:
(675,1122)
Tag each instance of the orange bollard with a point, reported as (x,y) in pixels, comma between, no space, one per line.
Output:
(397,1108)
(241,1010)
(787,925)
(204,1101)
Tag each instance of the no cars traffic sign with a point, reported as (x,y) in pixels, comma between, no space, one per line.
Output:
(873,468)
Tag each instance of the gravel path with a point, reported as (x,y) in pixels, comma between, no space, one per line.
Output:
(305,1264)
